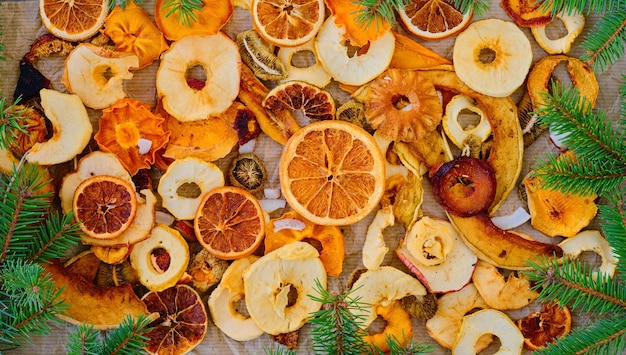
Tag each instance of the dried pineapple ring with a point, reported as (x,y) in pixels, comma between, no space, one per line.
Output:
(574,24)
(452,126)
(381,287)
(314,74)
(358,69)
(183,172)
(219,56)
(512,55)
(592,240)
(151,276)
(269,280)
(223,299)
(87,70)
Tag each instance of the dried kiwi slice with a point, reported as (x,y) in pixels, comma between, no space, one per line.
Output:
(353,111)
(247,172)
(259,57)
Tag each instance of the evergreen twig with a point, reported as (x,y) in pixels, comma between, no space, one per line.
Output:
(121,3)
(606,42)
(83,341)
(10,123)
(185,10)
(377,12)
(613,218)
(582,6)
(479,7)
(599,161)
(128,338)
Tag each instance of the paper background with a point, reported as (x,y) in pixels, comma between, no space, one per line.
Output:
(21,26)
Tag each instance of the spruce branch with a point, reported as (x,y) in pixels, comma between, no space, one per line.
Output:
(128,338)
(185,10)
(613,224)
(10,122)
(606,43)
(407,346)
(279,350)
(121,3)
(336,329)
(31,304)
(599,161)
(479,7)
(622,97)
(56,236)
(573,283)
(605,336)
(83,341)
(582,6)
(377,12)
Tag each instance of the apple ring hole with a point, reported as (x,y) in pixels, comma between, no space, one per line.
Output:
(107,74)
(196,76)
(493,348)
(561,74)
(292,296)
(468,119)
(487,55)
(556,29)
(303,59)
(240,307)
(315,243)
(189,190)
(355,51)
(591,259)
(378,325)
(160,260)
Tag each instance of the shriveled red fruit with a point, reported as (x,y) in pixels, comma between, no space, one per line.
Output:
(543,327)
(464,186)
(527,13)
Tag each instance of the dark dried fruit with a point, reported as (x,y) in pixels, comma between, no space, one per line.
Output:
(246,125)
(354,112)
(420,307)
(464,186)
(247,172)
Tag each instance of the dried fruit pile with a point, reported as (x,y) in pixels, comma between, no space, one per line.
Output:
(280,143)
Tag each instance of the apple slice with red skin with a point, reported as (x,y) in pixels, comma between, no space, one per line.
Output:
(455,269)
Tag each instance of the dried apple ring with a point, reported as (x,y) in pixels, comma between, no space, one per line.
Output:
(452,126)
(489,321)
(219,57)
(592,240)
(195,175)
(224,298)
(269,280)
(315,103)
(574,24)
(159,274)
(582,76)
(359,68)
(314,74)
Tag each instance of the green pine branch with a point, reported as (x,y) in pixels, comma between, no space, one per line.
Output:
(377,12)
(622,95)
(336,329)
(59,234)
(10,123)
(479,7)
(185,10)
(605,336)
(606,43)
(582,6)
(128,338)
(613,218)
(83,341)
(279,350)
(599,161)
(121,3)
(30,302)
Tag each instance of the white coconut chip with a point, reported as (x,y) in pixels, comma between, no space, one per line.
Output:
(288,223)
(513,220)
(165,218)
(271,194)
(247,147)
(144,145)
(271,205)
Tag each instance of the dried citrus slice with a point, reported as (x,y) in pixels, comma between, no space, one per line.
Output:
(229,222)
(332,172)
(73,20)
(105,206)
(543,327)
(288,23)
(433,19)
(182,321)
(316,104)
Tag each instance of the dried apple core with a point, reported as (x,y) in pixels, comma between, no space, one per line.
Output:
(189,190)
(487,55)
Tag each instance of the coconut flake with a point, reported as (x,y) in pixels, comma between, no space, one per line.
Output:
(144,145)
(513,220)
(271,194)
(165,218)
(288,223)
(271,205)
(557,138)
(247,147)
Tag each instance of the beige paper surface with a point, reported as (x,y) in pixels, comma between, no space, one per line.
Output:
(21,26)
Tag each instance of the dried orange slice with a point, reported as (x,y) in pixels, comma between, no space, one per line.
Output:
(229,223)
(182,321)
(433,19)
(332,172)
(288,23)
(73,20)
(543,327)
(104,206)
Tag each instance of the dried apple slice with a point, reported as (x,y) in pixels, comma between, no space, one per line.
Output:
(488,321)
(435,253)
(97,75)
(592,240)
(499,293)
(71,129)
